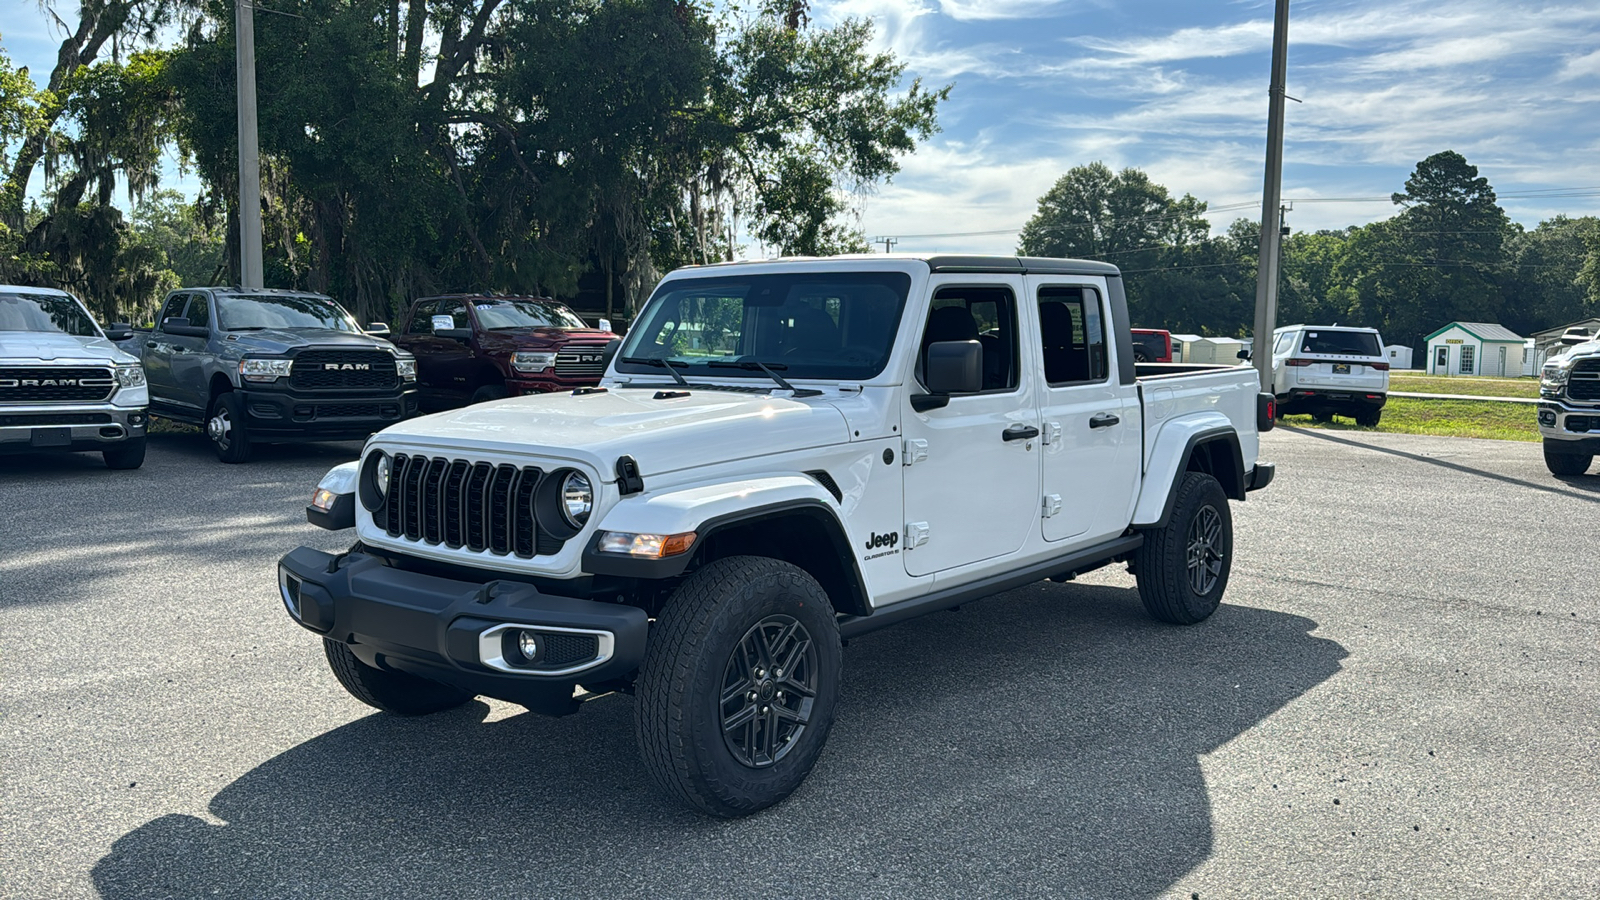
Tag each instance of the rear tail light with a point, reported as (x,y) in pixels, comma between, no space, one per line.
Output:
(1379,367)
(1299,362)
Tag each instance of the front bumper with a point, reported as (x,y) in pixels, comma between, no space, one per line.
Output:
(1318,400)
(1577,428)
(69,427)
(282,415)
(463,633)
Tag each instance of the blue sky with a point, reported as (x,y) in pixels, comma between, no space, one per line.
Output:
(1179,89)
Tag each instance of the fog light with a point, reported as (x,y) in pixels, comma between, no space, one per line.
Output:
(528,645)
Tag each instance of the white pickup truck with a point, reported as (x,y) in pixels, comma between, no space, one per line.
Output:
(782,455)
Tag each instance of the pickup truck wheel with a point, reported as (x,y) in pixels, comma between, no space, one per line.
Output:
(392,692)
(1369,418)
(1183,568)
(127,455)
(225,427)
(489,392)
(1566,463)
(738,687)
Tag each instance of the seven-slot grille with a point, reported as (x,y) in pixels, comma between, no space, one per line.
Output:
(343,370)
(1584,382)
(581,360)
(63,384)
(459,504)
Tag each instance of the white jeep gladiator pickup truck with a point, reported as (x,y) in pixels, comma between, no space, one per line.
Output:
(782,455)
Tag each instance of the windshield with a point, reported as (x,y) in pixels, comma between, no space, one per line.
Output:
(238,313)
(833,325)
(495,315)
(1347,343)
(47,313)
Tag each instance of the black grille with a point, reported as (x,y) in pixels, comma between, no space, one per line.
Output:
(459,503)
(1584,382)
(562,650)
(581,361)
(56,419)
(316,370)
(54,385)
(355,411)
(1582,424)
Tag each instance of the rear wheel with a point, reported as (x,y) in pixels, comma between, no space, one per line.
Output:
(226,429)
(1183,568)
(127,455)
(1322,418)
(1560,463)
(1369,418)
(392,692)
(737,692)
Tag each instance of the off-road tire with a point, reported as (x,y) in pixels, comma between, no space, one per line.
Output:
(1162,562)
(233,446)
(1566,463)
(680,707)
(392,692)
(127,455)
(1369,419)
(489,392)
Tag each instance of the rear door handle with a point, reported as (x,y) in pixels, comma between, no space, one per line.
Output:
(1103,420)
(1019,433)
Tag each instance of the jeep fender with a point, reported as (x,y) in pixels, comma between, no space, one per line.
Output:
(1175,446)
(727,508)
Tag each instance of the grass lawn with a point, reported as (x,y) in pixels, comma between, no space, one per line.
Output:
(1464,384)
(1451,418)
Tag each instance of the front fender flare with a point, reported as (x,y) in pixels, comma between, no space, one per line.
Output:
(1175,444)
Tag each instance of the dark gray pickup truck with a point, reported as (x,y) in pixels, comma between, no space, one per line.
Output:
(266,366)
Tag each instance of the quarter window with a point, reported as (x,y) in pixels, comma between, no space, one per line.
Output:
(1073,335)
(1285,341)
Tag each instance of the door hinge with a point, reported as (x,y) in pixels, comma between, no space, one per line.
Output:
(1052,504)
(1052,433)
(916,450)
(916,534)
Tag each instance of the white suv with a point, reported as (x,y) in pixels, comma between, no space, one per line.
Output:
(1330,370)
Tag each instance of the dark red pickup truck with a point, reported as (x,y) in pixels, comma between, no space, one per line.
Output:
(476,347)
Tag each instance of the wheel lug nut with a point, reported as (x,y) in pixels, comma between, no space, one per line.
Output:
(752,695)
(778,673)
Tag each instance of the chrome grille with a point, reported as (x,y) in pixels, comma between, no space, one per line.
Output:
(343,370)
(581,361)
(459,503)
(55,384)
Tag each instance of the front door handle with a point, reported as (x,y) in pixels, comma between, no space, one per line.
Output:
(150,344)
(1019,433)
(1103,420)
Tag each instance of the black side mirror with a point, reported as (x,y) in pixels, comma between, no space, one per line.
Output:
(180,326)
(119,331)
(951,367)
(610,353)
(378,329)
(455,334)
(1244,353)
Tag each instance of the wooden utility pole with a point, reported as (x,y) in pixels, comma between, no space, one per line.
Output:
(1271,195)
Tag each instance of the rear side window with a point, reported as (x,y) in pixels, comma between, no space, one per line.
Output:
(1072,337)
(1347,343)
(1285,341)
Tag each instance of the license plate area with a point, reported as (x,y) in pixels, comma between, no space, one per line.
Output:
(1341,368)
(51,437)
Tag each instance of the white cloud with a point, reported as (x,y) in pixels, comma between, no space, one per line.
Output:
(1579,67)
(975,10)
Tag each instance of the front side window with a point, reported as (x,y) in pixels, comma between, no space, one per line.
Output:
(173,308)
(503,315)
(255,313)
(199,311)
(1073,335)
(422,318)
(983,313)
(45,313)
(832,326)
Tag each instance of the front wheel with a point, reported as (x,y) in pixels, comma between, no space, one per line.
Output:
(392,692)
(1183,567)
(226,429)
(738,687)
(1560,463)
(489,392)
(127,455)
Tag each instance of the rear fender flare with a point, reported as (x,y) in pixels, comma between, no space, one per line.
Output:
(1175,446)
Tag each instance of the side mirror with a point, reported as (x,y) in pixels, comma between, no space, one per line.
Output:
(1244,353)
(119,331)
(951,367)
(604,325)
(442,323)
(180,326)
(379,329)
(610,353)
(455,334)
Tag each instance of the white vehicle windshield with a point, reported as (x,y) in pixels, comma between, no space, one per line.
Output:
(827,325)
(282,311)
(46,313)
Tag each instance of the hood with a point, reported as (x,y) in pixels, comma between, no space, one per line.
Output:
(280,341)
(661,435)
(67,348)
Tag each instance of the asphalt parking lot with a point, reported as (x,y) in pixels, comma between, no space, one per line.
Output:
(1401,698)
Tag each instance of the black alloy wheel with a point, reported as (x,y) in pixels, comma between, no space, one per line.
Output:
(768,689)
(1206,552)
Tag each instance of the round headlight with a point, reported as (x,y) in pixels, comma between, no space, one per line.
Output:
(380,475)
(577,499)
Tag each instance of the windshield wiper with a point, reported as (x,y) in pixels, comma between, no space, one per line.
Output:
(751,365)
(669,365)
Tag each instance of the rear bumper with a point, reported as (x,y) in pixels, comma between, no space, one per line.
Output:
(69,427)
(463,633)
(1315,400)
(1260,476)
(275,415)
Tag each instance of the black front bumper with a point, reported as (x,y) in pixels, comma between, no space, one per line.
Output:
(434,627)
(286,415)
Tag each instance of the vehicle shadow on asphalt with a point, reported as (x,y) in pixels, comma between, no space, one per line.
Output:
(1583,483)
(1044,744)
